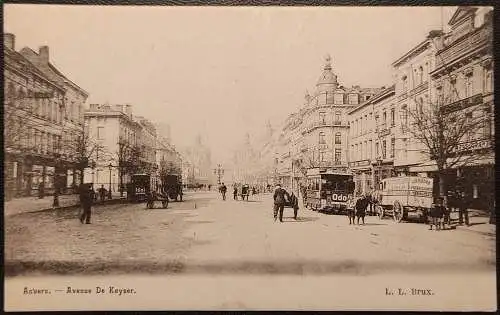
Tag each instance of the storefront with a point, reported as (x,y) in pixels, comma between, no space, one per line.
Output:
(362,176)
(476,180)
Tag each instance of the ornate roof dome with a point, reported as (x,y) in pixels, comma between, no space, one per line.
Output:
(328,79)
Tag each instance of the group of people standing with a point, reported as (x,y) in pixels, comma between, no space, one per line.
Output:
(356,208)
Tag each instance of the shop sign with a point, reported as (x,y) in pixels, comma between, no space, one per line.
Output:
(359,163)
(473,145)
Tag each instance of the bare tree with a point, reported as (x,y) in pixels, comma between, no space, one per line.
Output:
(129,160)
(450,137)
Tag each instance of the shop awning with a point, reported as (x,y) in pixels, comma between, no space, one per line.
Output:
(430,166)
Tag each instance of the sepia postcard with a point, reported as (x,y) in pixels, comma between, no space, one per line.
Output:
(249,158)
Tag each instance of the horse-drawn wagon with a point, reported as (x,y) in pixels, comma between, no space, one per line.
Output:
(404,197)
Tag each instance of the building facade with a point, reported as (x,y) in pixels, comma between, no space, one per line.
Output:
(39,109)
(114,142)
(463,86)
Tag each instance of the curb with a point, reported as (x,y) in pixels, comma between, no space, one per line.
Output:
(75,206)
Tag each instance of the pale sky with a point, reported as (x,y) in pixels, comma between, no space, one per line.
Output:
(219,71)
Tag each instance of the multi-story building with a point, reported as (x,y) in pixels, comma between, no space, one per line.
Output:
(372,140)
(73,104)
(317,135)
(147,144)
(463,85)
(113,139)
(43,122)
(411,74)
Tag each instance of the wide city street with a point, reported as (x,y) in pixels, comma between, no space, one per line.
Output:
(205,237)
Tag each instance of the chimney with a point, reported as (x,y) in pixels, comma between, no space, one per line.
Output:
(9,40)
(43,51)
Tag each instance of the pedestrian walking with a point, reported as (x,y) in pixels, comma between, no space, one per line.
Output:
(86,199)
(463,205)
(436,214)
(279,201)
(223,190)
(102,193)
(235,193)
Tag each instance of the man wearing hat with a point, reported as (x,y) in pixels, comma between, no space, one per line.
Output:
(279,201)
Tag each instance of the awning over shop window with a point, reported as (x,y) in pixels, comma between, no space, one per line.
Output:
(430,166)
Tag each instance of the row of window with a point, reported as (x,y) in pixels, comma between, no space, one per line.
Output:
(41,141)
(462,87)
(337,138)
(323,156)
(363,150)
(338,98)
(44,107)
(419,76)
(363,124)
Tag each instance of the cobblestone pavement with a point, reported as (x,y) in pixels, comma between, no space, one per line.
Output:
(118,234)
(207,235)
(205,253)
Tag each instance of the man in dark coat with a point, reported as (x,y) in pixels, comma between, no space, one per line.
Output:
(235,193)
(361,205)
(86,199)
(279,201)
(436,213)
(223,190)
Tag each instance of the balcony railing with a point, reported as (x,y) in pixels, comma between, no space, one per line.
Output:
(322,123)
(468,42)
(419,88)
(462,104)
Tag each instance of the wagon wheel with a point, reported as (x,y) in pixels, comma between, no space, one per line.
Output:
(380,212)
(397,212)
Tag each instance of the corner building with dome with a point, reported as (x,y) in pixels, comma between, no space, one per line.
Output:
(317,135)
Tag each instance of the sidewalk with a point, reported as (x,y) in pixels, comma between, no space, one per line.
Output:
(33,204)
(479,223)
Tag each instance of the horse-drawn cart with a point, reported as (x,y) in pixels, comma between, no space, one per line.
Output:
(404,197)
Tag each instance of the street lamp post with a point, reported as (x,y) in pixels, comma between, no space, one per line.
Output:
(109,191)
(219,171)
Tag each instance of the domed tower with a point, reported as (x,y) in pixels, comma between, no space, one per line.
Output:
(328,80)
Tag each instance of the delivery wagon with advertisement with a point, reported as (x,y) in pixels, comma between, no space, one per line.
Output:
(404,197)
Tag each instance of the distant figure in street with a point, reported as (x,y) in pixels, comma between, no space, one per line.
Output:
(86,199)
(223,190)
(102,193)
(279,201)
(41,190)
(235,193)
(436,214)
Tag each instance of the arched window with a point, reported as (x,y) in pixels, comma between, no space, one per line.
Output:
(337,118)
(420,103)
(420,75)
(337,138)
(393,117)
(322,138)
